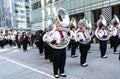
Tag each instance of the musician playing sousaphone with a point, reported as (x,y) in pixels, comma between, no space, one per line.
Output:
(102,35)
(47,48)
(56,39)
(115,33)
(25,39)
(83,38)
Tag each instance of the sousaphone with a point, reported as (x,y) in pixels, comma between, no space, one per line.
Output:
(103,22)
(73,22)
(83,22)
(62,17)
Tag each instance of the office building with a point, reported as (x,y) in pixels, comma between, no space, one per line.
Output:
(43,10)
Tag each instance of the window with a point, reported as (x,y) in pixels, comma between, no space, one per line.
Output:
(27,7)
(27,13)
(16,11)
(48,2)
(23,17)
(35,6)
(56,0)
(16,5)
(26,0)
(22,11)
(39,4)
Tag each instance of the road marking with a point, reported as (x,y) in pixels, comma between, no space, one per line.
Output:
(28,67)
(4,50)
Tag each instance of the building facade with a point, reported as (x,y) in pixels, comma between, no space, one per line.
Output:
(43,10)
(1,14)
(5,14)
(28,10)
(15,14)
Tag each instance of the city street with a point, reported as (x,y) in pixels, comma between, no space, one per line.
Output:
(16,64)
(38,21)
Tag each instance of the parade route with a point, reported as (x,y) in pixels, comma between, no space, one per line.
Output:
(16,64)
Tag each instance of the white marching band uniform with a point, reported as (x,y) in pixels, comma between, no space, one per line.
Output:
(1,37)
(72,35)
(102,33)
(114,31)
(55,36)
(84,48)
(9,37)
(115,37)
(45,36)
(81,37)
(2,42)
(73,43)
(13,37)
(59,55)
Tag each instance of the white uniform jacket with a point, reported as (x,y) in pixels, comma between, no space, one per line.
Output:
(55,35)
(102,33)
(81,37)
(72,35)
(114,31)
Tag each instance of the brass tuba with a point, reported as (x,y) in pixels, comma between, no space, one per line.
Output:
(104,22)
(62,17)
(14,32)
(50,27)
(115,20)
(83,22)
(89,29)
(73,22)
(110,27)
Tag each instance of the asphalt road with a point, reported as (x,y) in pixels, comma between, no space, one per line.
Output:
(16,64)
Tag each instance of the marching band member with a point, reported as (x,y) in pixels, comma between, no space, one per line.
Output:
(9,39)
(72,41)
(13,39)
(30,39)
(47,49)
(36,39)
(46,46)
(59,55)
(24,41)
(115,37)
(102,33)
(2,40)
(40,42)
(18,40)
(81,36)
(115,33)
